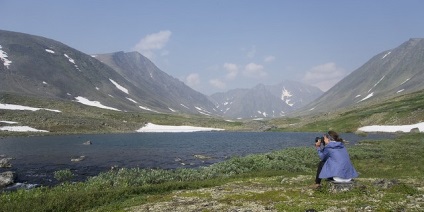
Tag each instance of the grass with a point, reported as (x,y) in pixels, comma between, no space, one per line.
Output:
(278,180)
(76,118)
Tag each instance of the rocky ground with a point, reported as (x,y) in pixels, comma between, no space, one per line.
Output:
(290,194)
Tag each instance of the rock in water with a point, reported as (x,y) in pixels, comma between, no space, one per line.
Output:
(87,143)
(7,178)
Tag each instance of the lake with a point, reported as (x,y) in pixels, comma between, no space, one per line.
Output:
(36,158)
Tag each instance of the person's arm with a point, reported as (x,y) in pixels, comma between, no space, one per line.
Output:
(320,150)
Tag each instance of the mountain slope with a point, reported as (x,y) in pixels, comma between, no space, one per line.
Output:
(146,76)
(41,67)
(388,74)
(265,101)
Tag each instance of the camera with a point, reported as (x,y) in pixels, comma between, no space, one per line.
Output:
(320,139)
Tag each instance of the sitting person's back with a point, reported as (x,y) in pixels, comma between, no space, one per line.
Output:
(335,162)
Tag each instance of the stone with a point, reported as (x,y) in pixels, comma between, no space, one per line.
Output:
(415,130)
(7,178)
(87,143)
(81,158)
(5,162)
(202,157)
(336,187)
(385,183)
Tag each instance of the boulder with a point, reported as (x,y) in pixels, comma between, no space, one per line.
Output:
(80,158)
(87,143)
(7,178)
(415,130)
(336,187)
(202,157)
(5,162)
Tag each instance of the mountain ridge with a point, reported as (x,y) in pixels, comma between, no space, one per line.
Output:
(388,74)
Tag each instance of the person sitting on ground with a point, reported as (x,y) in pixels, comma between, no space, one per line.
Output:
(335,163)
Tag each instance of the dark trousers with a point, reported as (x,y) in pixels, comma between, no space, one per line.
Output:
(320,165)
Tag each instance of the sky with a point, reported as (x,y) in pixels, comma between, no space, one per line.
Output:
(219,45)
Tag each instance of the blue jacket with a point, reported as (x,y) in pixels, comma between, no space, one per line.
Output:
(337,162)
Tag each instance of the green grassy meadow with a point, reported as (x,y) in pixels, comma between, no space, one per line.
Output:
(391,179)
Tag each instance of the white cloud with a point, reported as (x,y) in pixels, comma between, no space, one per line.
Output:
(153,42)
(193,79)
(217,83)
(269,59)
(254,70)
(324,76)
(232,70)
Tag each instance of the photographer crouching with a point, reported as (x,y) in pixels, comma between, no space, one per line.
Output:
(335,163)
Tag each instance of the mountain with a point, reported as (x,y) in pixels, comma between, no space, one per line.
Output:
(265,101)
(45,68)
(146,76)
(391,73)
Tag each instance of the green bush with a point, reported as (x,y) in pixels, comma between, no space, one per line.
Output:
(63,175)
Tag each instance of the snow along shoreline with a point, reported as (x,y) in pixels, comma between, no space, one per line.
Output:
(392,128)
(167,128)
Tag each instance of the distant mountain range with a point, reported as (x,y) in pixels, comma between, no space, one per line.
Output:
(45,68)
(391,73)
(265,101)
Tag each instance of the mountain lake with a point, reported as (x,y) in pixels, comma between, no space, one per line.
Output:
(36,158)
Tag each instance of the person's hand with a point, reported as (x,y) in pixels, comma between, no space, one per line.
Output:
(318,144)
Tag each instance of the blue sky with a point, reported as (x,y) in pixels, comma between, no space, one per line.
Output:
(215,46)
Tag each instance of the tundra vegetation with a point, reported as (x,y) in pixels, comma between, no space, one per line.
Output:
(391,179)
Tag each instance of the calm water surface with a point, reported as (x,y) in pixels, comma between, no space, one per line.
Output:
(36,158)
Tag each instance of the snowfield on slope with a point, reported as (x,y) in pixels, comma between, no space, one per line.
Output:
(166,128)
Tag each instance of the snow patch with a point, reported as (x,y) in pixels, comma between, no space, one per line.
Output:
(392,128)
(263,113)
(400,90)
(3,57)
(70,59)
(50,51)
(146,108)
(367,97)
(119,87)
(172,109)
(132,100)
(357,96)
(203,111)
(20,107)
(45,83)
(405,81)
(376,83)
(9,122)
(85,101)
(386,55)
(285,97)
(166,128)
(21,129)
(184,106)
